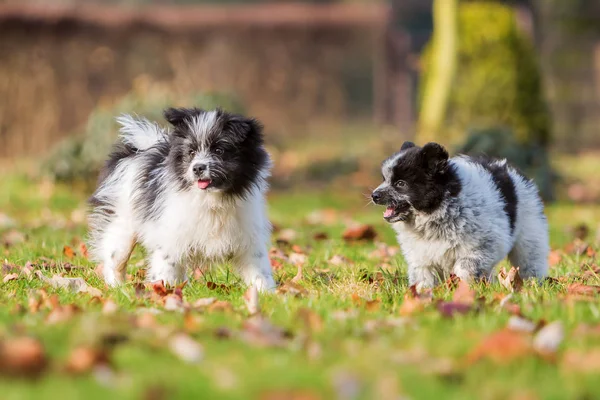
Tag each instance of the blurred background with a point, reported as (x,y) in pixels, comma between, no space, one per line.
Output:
(339,84)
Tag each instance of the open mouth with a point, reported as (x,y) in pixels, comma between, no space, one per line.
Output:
(204,183)
(396,211)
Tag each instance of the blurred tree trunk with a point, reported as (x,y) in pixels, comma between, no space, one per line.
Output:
(443,63)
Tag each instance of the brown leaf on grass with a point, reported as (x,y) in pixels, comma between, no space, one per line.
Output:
(220,306)
(511,280)
(312,320)
(452,282)
(204,302)
(290,394)
(450,309)
(463,293)
(259,331)
(339,260)
(579,248)
(76,285)
(587,361)
(62,313)
(84,359)
(555,258)
(521,324)
(22,357)
(83,250)
(318,236)
(10,277)
(414,302)
(583,290)
(359,233)
(174,302)
(251,300)
(286,236)
(109,307)
(548,338)
(292,288)
(369,305)
(327,216)
(13,237)
(68,251)
(502,347)
(218,286)
(186,348)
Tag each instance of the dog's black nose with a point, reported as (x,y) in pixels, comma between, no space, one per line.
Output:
(376,197)
(199,169)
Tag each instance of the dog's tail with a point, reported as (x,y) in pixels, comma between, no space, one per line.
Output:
(140,133)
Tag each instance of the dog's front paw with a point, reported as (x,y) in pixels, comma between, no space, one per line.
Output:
(264,284)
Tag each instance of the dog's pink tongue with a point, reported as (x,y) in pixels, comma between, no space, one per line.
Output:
(203,184)
(388,212)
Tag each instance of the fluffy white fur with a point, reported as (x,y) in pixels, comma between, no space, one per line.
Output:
(469,234)
(194,227)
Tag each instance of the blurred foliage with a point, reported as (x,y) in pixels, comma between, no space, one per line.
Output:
(530,158)
(498,82)
(80,158)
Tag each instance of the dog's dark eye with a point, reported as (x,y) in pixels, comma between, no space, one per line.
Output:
(400,184)
(192,152)
(219,151)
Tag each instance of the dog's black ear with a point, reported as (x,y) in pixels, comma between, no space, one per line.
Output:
(177,116)
(242,128)
(435,157)
(407,145)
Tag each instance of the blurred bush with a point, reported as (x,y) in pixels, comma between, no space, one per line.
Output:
(80,157)
(497,81)
(530,158)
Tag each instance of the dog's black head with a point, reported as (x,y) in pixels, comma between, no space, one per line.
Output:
(415,178)
(216,151)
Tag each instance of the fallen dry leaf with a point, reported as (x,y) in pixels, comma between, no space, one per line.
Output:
(547,339)
(84,359)
(511,280)
(220,306)
(23,357)
(312,321)
(68,251)
(463,293)
(76,285)
(204,302)
(502,347)
(109,307)
(83,250)
(583,290)
(451,308)
(290,394)
(361,232)
(555,257)
(520,324)
(320,236)
(339,260)
(10,277)
(587,361)
(62,313)
(259,331)
(292,288)
(251,300)
(287,236)
(216,286)
(186,348)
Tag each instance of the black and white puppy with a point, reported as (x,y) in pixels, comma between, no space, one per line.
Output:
(191,193)
(461,215)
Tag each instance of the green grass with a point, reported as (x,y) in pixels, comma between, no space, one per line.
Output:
(369,354)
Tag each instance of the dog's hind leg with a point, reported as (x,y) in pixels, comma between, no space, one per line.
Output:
(116,244)
(531,248)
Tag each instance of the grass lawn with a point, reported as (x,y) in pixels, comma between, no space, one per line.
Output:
(349,328)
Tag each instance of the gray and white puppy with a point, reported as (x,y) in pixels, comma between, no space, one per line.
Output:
(461,215)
